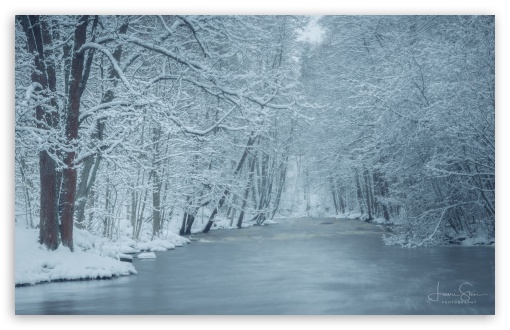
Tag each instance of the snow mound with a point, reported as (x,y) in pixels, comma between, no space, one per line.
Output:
(147,255)
(157,245)
(269,222)
(83,239)
(353,216)
(380,221)
(477,240)
(35,264)
(158,249)
(126,249)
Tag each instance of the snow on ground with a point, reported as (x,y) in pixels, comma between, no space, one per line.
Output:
(35,264)
(93,258)
(220,222)
(96,256)
(350,216)
(477,240)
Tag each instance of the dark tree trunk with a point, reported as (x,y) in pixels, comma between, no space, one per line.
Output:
(156,184)
(340,190)
(185,217)
(72,123)
(85,187)
(107,195)
(251,140)
(233,210)
(382,186)
(280,188)
(334,194)
(368,195)
(87,180)
(183,225)
(45,78)
(246,192)
(48,231)
(81,194)
(359,194)
(156,208)
(189,222)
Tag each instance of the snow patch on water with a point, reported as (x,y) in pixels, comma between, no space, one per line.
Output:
(147,255)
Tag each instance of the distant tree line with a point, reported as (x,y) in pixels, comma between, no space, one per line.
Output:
(410,103)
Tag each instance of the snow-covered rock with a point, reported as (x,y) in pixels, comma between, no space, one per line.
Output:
(147,255)
(125,257)
(126,249)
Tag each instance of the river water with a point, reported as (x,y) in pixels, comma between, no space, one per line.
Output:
(298,266)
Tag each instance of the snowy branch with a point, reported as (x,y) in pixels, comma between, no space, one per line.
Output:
(93,45)
(29,92)
(206,131)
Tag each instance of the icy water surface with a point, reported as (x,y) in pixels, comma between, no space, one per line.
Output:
(298,266)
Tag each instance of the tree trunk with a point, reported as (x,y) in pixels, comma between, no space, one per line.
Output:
(340,199)
(251,140)
(85,187)
(156,184)
(183,225)
(48,231)
(368,195)
(45,78)
(26,192)
(86,180)
(246,192)
(189,223)
(359,193)
(334,194)
(233,210)
(382,186)
(280,188)
(71,128)
(107,198)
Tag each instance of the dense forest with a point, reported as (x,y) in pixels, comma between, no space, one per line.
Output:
(134,123)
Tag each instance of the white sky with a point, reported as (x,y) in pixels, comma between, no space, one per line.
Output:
(313,33)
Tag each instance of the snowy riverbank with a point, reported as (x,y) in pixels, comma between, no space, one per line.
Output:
(93,258)
(462,239)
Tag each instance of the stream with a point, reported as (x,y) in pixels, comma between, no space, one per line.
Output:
(297,266)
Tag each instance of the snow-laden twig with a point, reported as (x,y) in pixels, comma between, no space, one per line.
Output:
(89,112)
(458,173)
(92,110)
(435,229)
(439,222)
(194,31)
(116,67)
(29,92)
(206,131)
(161,50)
